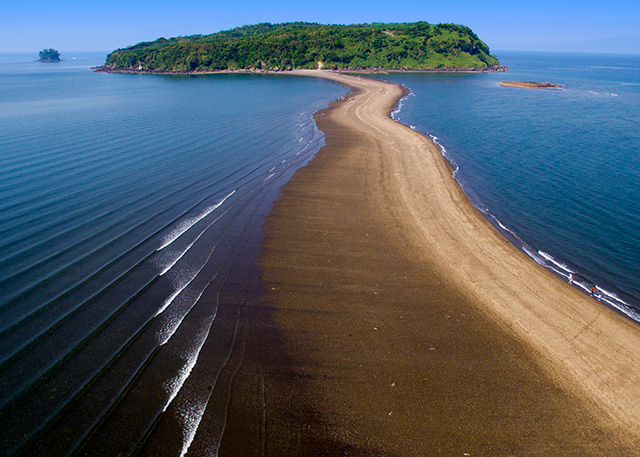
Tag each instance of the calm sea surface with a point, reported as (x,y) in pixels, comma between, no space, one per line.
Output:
(557,170)
(129,205)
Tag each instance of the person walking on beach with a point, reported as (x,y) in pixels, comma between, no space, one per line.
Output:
(593,291)
(570,278)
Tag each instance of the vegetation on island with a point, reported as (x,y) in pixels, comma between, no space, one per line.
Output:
(49,55)
(300,45)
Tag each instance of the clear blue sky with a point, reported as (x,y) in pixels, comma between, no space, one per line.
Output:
(73,25)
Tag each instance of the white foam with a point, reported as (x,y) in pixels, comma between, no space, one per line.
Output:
(191,418)
(303,149)
(174,385)
(395,112)
(614,296)
(172,325)
(190,422)
(560,265)
(601,294)
(269,177)
(168,266)
(616,302)
(170,299)
(507,229)
(167,261)
(172,261)
(534,255)
(546,260)
(185,225)
(582,285)
(167,332)
(558,272)
(191,409)
(445,154)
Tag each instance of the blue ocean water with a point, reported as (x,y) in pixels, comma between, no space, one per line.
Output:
(128,206)
(557,170)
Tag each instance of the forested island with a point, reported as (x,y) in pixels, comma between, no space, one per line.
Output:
(301,45)
(49,55)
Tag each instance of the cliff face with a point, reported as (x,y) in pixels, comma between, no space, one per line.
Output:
(304,45)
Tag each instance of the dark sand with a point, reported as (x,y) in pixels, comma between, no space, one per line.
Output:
(376,338)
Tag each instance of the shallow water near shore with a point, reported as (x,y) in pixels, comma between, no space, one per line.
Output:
(557,171)
(130,217)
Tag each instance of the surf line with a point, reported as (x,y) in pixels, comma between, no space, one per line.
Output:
(540,257)
(188,223)
(185,284)
(174,385)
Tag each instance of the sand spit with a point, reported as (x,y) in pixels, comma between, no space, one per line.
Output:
(531,85)
(400,322)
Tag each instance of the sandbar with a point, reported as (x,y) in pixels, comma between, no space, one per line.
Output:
(398,321)
(531,85)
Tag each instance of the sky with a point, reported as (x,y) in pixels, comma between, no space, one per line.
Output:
(74,25)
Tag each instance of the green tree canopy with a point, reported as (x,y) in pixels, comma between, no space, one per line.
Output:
(418,45)
(49,55)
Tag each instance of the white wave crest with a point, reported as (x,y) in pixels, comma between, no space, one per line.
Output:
(171,261)
(174,385)
(506,229)
(551,259)
(169,300)
(306,146)
(191,417)
(445,154)
(616,302)
(610,294)
(533,254)
(395,112)
(186,224)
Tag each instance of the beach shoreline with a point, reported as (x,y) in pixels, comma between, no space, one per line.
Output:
(378,206)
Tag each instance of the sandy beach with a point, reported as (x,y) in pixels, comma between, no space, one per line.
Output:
(399,321)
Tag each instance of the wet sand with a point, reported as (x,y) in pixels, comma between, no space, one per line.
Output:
(399,322)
